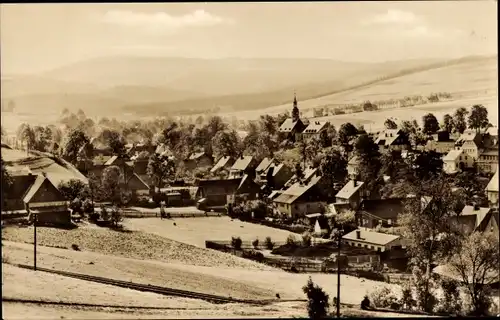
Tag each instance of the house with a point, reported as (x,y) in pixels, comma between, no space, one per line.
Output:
(492,190)
(37,194)
(99,148)
(280,175)
(136,184)
(353,166)
(472,217)
(488,160)
(136,148)
(393,139)
(314,129)
(384,212)
(222,192)
(309,173)
(199,160)
(440,143)
(100,163)
(224,163)
(262,167)
(470,142)
(352,193)
(243,165)
(369,239)
(490,223)
(457,160)
(300,199)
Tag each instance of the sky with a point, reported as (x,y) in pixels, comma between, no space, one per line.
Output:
(38,37)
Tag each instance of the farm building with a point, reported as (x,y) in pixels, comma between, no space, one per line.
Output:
(243,165)
(199,160)
(223,191)
(383,212)
(369,239)
(224,163)
(300,199)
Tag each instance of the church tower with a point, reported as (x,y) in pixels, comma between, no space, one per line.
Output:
(295,110)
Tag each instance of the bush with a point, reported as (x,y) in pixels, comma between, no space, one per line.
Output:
(371,275)
(451,302)
(255,244)
(426,300)
(94,216)
(236,243)
(317,300)
(383,297)
(253,255)
(407,300)
(306,239)
(75,247)
(116,216)
(269,243)
(87,206)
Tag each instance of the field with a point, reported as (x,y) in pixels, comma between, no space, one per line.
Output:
(195,231)
(235,282)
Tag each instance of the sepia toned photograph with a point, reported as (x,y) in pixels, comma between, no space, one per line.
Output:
(310,160)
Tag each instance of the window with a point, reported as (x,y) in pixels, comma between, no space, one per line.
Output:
(379,249)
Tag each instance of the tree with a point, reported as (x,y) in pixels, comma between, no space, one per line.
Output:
(6,181)
(317,300)
(72,189)
(390,124)
(459,120)
(476,265)
(478,118)
(226,143)
(159,169)
(470,184)
(448,124)
(346,132)
(25,133)
(299,173)
(369,162)
(428,164)
(333,167)
(112,184)
(74,141)
(425,222)
(114,140)
(430,124)
(215,124)
(393,165)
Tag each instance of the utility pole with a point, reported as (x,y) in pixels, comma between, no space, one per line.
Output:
(339,239)
(34,239)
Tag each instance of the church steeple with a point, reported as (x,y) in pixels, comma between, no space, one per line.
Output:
(295,110)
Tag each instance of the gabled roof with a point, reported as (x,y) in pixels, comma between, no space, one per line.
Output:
(21,185)
(264,165)
(452,155)
(111,161)
(354,160)
(40,179)
(100,160)
(315,126)
(493,184)
(480,214)
(372,237)
(242,163)
(293,193)
(197,155)
(274,194)
(383,209)
(289,125)
(224,161)
(388,137)
(349,189)
(136,176)
(278,168)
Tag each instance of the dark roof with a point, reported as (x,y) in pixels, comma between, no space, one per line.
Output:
(34,188)
(20,185)
(289,125)
(232,183)
(383,208)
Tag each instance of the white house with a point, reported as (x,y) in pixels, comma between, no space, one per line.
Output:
(456,160)
(369,239)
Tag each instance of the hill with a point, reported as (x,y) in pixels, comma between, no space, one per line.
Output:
(314,94)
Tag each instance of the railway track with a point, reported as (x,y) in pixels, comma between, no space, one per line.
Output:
(151,288)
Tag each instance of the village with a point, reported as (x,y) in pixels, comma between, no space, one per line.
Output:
(342,194)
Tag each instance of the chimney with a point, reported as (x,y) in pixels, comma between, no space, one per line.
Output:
(476,206)
(355,182)
(358,234)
